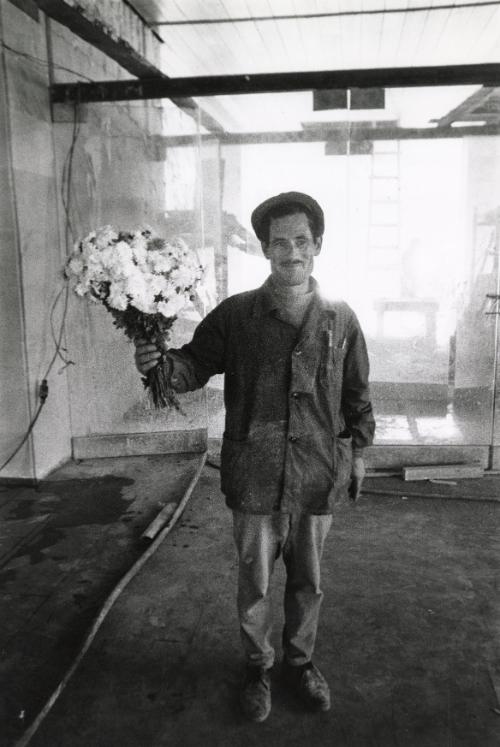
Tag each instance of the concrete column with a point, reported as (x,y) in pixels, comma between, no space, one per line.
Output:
(32,254)
(15,411)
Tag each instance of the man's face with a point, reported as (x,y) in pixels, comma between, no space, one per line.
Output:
(291,249)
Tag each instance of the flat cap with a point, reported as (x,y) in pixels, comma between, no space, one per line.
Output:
(281,200)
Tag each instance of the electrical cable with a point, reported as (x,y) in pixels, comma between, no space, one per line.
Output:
(39,60)
(58,340)
(25,437)
(67,177)
(111,599)
(66,200)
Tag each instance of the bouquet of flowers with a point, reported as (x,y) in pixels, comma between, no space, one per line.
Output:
(143,281)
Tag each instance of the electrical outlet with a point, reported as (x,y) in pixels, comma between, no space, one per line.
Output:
(43,390)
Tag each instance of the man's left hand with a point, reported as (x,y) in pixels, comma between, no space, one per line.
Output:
(358,472)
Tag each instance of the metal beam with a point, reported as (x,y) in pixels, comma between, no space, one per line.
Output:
(224,85)
(338,133)
(27,6)
(465,108)
(331,14)
(97,34)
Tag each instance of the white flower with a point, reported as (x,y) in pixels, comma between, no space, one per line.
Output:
(88,243)
(156,284)
(164,264)
(140,256)
(105,236)
(181,246)
(141,292)
(147,306)
(107,257)
(139,269)
(171,307)
(117,298)
(123,251)
(182,277)
(81,289)
(169,289)
(136,284)
(75,265)
(121,261)
(139,247)
(159,261)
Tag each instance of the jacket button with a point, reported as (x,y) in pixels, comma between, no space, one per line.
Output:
(298,352)
(295,395)
(293,438)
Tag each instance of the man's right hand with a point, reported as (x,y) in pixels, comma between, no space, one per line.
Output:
(146,355)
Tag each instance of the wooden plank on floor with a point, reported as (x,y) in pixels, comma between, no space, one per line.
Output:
(394,456)
(442,471)
(136,444)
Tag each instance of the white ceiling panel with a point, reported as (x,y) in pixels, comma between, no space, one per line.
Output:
(359,39)
(275,36)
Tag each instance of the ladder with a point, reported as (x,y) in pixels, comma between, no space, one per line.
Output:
(383,243)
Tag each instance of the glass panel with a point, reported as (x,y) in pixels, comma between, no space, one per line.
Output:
(151,185)
(421,301)
(484,194)
(411,226)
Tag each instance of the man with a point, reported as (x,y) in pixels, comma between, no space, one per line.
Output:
(298,416)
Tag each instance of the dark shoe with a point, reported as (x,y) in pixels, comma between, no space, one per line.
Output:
(309,684)
(255,697)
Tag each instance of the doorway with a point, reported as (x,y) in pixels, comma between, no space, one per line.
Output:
(411,243)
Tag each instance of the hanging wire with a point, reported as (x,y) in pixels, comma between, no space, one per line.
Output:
(66,200)
(45,63)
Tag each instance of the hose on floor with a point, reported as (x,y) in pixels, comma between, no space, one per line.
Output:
(124,581)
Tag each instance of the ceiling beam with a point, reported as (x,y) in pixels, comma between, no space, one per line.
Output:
(223,85)
(324,134)
(466,107)
(331,14)
(96,33)
(99,35)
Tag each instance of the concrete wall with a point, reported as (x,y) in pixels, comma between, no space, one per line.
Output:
(31,252)
(14,400)
(117,177)
(121,21)
(121,183)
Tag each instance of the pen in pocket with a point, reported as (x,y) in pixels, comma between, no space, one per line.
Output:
(329,333)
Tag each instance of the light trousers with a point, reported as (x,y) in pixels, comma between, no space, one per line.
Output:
(259,542)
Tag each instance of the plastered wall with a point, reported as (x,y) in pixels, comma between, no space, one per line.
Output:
(117,176)
(31,252)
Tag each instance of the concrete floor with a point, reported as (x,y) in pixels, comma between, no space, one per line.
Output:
(409,636)
(63,547)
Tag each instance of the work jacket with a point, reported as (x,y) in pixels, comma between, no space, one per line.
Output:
(302,461)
